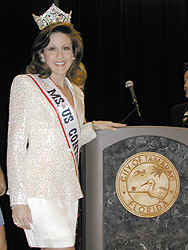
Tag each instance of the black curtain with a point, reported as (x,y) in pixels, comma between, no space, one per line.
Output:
(140,40)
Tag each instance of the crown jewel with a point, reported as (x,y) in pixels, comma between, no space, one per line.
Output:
(51,16)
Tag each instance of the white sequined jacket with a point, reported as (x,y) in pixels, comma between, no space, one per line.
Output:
(39,162)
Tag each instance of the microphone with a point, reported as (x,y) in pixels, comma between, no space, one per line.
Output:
(129,84)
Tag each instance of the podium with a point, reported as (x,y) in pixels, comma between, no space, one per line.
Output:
(107,224)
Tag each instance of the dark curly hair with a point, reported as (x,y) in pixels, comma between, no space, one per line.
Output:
(36,66)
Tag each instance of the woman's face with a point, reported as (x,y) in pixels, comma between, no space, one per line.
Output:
(58,54)
(186,84)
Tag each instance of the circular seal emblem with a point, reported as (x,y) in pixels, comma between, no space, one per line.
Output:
(147,184)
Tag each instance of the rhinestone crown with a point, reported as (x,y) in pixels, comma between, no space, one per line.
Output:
(51,16)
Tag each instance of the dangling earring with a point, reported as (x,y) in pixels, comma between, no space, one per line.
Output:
(42,58)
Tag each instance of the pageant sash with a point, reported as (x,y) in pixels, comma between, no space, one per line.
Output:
(67,118)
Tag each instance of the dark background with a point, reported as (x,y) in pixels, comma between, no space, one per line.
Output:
(140,40)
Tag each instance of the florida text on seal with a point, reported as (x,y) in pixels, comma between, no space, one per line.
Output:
(147,184)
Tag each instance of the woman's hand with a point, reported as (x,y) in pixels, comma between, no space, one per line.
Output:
(2,183)
(107,125)
(21,215)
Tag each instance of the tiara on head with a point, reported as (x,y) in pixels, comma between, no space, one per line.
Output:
(51,16)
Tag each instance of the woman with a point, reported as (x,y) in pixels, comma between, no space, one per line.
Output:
(46,130)
(80,76)
(3,243)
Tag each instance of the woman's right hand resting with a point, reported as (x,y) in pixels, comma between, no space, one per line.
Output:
(21,215)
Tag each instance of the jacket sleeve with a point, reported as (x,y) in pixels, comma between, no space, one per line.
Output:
(87,133)
(18,136)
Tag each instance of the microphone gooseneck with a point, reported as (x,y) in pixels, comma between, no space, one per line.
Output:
(130,85)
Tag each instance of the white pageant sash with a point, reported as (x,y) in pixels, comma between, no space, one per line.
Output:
(65,113)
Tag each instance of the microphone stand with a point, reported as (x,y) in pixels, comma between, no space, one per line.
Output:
(129,114)
(136,108)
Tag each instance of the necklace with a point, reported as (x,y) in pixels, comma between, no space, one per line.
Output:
(58,85)
(65,91)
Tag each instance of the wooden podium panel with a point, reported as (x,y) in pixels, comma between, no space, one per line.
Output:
(107,225)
